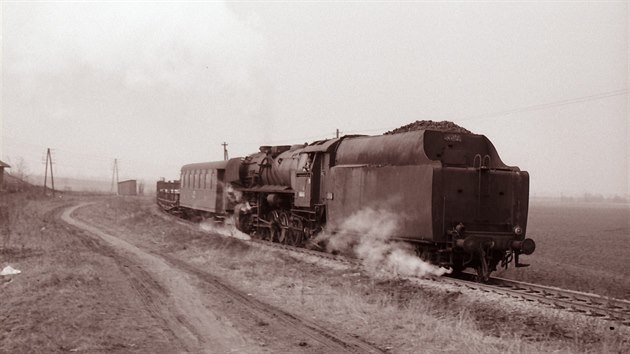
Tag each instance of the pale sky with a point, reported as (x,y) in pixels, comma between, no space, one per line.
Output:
(158,85)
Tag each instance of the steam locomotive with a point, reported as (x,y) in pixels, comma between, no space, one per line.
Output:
(457,203)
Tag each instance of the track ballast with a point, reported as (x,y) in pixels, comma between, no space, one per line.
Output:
(593,305)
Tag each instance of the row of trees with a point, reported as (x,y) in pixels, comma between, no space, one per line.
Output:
(595,198)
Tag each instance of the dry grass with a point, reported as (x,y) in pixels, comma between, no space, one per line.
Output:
(400,315)
(395,314)
(68,296)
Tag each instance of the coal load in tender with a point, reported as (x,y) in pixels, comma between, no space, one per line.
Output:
(444,126)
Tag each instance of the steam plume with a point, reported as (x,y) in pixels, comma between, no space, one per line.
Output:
(227,229)
(367,234)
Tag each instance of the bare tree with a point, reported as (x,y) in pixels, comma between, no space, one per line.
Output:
(20,169)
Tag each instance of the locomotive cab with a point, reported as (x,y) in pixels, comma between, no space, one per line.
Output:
(306,179)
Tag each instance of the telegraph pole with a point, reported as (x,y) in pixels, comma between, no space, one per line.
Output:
(52,177)
(46,173)
(225,152)
(115,175)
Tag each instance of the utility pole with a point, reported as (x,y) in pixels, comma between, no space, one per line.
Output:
(115,174)
(337,133)
(225,152)
(52,177)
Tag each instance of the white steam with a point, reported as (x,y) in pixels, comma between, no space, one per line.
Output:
(227,229)
(367,234)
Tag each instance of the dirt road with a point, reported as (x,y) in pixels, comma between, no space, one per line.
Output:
(206,315)
(174,298)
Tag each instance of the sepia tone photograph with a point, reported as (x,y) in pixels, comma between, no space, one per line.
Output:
(314,177)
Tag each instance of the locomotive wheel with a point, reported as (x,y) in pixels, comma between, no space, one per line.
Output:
(285,228)
(296,234)
(274,232)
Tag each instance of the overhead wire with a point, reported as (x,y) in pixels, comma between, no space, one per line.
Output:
(549,105)
(535,107)
(107,160)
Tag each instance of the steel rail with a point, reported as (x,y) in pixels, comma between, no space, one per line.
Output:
(593,305)
(588,304)
(564,299)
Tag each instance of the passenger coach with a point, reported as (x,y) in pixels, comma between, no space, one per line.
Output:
(203,189)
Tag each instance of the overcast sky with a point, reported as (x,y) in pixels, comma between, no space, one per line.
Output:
(158,85)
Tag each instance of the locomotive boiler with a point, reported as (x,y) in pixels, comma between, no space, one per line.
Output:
(455,200)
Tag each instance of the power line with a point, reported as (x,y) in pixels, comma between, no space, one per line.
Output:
(11,141)
(549,105)
(536,107)
(96,158)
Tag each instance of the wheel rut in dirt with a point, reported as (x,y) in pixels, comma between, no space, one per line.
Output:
(167,293)
(201,309)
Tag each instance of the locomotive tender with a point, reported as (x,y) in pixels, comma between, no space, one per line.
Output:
(457,202)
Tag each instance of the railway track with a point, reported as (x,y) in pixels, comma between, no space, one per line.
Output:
(593,305)
(574,301)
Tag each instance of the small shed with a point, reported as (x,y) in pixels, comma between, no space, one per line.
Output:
(2,167)
(127,187)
